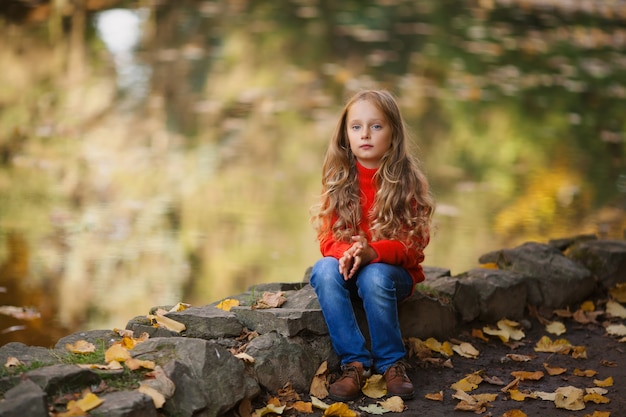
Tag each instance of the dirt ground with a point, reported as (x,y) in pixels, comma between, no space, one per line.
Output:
(604,354)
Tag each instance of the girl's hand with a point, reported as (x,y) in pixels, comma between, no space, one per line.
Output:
(359,254)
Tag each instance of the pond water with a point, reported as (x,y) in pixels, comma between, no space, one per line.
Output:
(156,154)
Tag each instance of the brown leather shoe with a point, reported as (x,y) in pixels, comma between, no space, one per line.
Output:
(348,386)
(398,383)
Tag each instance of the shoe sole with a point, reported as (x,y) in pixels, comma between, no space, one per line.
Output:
(341,399)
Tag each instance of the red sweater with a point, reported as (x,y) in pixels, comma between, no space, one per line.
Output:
(391,252)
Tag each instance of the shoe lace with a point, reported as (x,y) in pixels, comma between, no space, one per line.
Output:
(351,372)
(397,371)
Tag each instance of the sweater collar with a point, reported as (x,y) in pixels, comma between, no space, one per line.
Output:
(365,172)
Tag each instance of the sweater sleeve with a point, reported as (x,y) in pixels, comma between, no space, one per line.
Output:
(331,247)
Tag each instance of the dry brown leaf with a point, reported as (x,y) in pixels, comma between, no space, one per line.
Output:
(599,414)
(288,394)
(585,373)
(478,334)
(134,364)
(319,384)
(554,370)
(303,407)
(519,358)
(435,396)
(158,399)
(494,380)
(528,376)
(512,385)
(270,300)
(615,309)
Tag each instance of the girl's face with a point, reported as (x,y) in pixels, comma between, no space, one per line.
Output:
(369,133)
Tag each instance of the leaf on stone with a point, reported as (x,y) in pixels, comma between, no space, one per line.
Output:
(179,307)
(563,313)
(81,347)
(618,293)
(162,321)
(116,353)
(434,396)
(553,370)
(373,409)
(586,373)
(245,357)
(556,327)
(85,404)
(489,265)
(595,398)
(569,398)
(339,410)
(270,300)
(319,384)
(12,361)
(158,399)
(528,376)
(519,358)
(616,329)
(375,386)
(317,403)
(466,350)
(269,409)
(158,380)
(608,382)
(514,413)
(227,304)
(394,404)
(133,364)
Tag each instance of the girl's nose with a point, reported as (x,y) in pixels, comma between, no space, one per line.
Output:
(365,134)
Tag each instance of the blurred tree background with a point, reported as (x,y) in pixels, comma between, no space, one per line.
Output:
(153,152)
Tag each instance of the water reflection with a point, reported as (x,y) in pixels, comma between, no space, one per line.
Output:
(179,164)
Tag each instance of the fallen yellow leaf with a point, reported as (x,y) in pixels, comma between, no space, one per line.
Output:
(269,409)
(116,353)
(586,372)
(466,350)
(608,382)
(599,414)
(375,387)
(134,364)
(167,323)
(618,293)
(514,413)
(227,304)
(596,398)
(615,309)
(588,306)
(339,410)
(87,403)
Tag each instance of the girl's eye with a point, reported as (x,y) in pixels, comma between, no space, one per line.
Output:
(356,127)
(377,127)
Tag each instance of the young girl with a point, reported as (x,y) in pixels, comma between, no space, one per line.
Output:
(373,225)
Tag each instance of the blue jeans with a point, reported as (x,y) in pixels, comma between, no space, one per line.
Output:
(380,286)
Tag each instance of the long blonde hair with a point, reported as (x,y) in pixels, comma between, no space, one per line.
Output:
(403,206)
